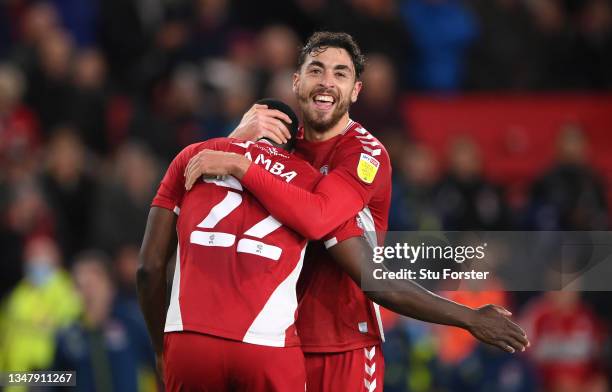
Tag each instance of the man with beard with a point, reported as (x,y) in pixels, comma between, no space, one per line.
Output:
(339,327)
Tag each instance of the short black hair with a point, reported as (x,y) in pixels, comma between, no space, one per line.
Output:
(293,127)
(322,40)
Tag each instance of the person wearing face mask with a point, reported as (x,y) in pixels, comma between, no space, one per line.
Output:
(42,302)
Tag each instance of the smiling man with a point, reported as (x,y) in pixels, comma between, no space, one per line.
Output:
(339,327)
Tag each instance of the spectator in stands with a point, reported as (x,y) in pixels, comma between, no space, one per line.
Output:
(594,51)
(569,196)
(234,88)
(566,342)
(5,31)
(555,65)
(126,32)
(44,301)
(375,24)
(125,266)
(105,349)
(31,27)
(19,131)
(162,55)
(411,361)
(276,52)
(49,87)
(88,103)
(502,56)
(465,199)
(172,118)
(442,31)
(24,217)
(415,180)
(12,254)
(28,213)
(69,189)
(122,204)
(397,145)
(213,22)
(488,369)
(379,106)
(80,18)
(281,87)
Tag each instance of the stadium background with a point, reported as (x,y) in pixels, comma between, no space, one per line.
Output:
(496,113)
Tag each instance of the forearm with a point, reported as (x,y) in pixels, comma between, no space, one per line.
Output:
(157,246)
(312,214)
(412,300)
(405,297)
(151,284)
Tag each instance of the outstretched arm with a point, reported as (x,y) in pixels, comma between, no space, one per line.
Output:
(312,214)
(489,323)
(157,247)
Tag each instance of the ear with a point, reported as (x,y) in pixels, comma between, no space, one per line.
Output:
(356,89)
(295,82)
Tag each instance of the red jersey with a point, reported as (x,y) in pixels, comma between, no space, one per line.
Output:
(237,266)
(335,315)
(565,345)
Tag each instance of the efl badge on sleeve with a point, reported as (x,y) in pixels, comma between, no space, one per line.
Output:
(367,168)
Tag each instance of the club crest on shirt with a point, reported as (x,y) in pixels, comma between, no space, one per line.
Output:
(367,168)
(324,170)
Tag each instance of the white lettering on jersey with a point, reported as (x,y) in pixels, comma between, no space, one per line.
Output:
(276,168)
(261,160)
(288,176)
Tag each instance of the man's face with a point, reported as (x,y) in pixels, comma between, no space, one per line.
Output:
(326,86)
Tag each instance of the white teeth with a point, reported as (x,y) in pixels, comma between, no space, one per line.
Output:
(324,98)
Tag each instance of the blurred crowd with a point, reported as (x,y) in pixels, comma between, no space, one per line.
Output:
(97,96)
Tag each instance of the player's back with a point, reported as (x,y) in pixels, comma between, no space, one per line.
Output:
(237,266)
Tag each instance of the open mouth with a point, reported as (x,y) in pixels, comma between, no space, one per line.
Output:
(324,101)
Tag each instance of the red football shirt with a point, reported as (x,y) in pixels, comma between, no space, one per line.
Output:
(566,344)
(237,266)
(335,315)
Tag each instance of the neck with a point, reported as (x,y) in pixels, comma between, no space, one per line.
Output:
(315,136)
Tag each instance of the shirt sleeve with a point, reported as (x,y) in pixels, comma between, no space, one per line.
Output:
(365,169)
(348,229)
(337,197)
(172,187)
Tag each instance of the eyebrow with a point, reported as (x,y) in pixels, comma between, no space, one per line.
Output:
(339,67)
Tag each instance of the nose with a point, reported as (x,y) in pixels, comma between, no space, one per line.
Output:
(327,80)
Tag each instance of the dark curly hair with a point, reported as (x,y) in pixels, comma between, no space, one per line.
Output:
(322,40)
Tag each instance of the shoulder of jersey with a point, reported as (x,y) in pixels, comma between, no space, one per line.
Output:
(360,138)
(371,151)
(210,143)
(260,148)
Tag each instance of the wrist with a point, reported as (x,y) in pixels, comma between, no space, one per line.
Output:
(239,166)
(468,318)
